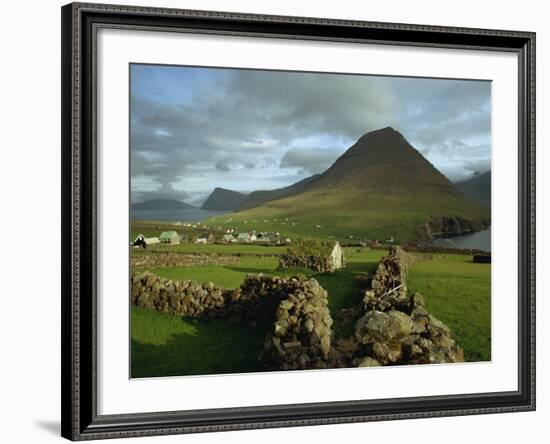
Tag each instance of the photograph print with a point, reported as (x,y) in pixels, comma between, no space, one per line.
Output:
(284,220)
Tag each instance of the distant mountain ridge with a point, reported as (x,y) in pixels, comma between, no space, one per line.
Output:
(259,197)
(478,188)
(161,204)
(223,199)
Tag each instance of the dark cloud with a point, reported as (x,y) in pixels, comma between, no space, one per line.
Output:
(309,160)
(246,130)
(166,191)
(223,165)
(475,167)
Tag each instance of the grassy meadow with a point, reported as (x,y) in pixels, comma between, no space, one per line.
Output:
(306,215)
(456,290)
(168,345)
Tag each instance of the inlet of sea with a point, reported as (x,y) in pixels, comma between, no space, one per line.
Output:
(480,241)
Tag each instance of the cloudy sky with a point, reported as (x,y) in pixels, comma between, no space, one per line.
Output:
(194,129)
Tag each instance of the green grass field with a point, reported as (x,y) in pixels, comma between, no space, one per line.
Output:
(167,345)
(456,290)
(228,276)
(306,215)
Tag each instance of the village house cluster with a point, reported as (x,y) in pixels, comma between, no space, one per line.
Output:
(172,237)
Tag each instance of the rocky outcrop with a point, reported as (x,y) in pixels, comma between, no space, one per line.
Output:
(453,226)
(396,327)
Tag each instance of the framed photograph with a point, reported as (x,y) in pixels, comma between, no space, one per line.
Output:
(279,221)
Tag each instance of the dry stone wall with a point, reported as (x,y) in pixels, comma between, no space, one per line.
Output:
(301,334)
(185,298)
(320,264)
(396,327)
(168,259)
(259,296)
(296,308)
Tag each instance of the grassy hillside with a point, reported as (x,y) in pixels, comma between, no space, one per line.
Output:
(259,197)
(337,214)
(380,187)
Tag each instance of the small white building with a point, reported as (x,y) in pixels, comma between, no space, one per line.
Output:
(169,237)
(243,237)
(229,238)
(142,241)
(246,237)
(337,256)
(201,240)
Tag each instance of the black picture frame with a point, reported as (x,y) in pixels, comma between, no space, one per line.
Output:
(80,22)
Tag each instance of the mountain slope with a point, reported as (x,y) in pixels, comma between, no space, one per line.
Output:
(478,188)
(161,204)
(384,161)
(380,187)
(222,199)
(259,197)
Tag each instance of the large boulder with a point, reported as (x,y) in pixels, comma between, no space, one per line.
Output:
(377,326)
(396,327)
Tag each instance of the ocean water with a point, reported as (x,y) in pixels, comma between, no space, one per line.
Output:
(480,241)
(187,215)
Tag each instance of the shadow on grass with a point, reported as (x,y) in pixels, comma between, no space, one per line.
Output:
(211,347)
(362,267)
